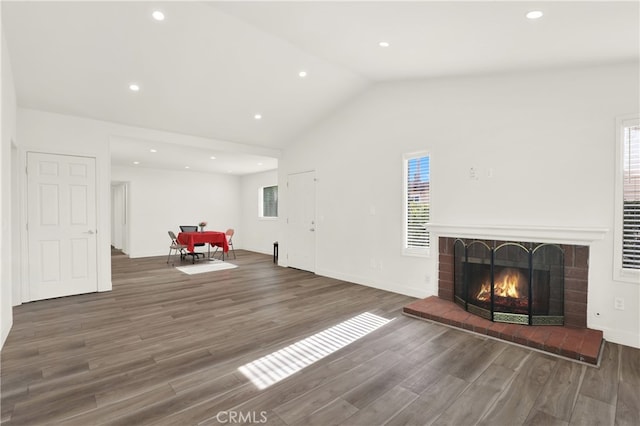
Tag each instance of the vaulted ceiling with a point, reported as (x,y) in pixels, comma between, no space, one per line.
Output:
(208,68)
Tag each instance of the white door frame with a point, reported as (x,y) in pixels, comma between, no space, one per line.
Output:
(17,233)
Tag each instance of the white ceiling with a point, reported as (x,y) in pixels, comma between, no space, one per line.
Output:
(210,66)
(126,150)
(430,38)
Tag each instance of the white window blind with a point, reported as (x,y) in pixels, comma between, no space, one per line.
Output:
(417,202)
(631,198)
(270,201)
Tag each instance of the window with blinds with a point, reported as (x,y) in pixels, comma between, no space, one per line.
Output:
(416,202)
(269,201)
(631,197)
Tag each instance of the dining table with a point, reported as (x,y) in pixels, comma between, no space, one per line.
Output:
(213,238)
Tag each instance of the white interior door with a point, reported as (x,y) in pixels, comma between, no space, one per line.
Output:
(302,221)
(61,225)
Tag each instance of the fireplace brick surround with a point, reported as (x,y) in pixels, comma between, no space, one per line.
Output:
(573,340)
(576,269)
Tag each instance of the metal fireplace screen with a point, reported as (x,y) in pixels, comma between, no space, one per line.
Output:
(521,283)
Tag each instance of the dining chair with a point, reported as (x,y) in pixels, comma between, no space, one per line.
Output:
(175,245)
(230,232)
(192,228)
(229,236)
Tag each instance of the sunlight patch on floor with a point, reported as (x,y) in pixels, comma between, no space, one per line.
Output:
(281,364)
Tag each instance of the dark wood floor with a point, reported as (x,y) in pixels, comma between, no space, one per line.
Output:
(164,348)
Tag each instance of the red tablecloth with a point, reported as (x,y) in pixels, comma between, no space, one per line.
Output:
(212,237)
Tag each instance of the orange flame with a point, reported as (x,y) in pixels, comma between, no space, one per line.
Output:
(507,284)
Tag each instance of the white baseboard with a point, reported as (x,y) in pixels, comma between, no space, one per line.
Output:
(6,328)
(256,250)
(419,293)
(619,337)
(147,254)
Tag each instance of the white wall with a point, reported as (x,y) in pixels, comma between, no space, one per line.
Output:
(547,136)
(8,134)
(258,234)
(67,135)
(162,200)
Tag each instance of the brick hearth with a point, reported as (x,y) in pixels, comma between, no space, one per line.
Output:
(581,344)
(573,340)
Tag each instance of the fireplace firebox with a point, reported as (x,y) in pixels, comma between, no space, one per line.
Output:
(512,282)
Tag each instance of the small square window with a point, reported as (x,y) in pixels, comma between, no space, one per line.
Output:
(269,201)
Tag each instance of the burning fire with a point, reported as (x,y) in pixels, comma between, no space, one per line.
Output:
(507,284)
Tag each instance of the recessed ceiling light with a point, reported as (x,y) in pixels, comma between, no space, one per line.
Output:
(134,87)
(302,74)
(187,167)
(212,157)
(157,15)
(384,44)
(259,164)
(258,116)
(534,14)
(153,150)
(136,162)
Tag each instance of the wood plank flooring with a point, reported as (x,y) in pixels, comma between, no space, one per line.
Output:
(164,348)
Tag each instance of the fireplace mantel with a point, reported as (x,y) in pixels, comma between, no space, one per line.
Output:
(542,234)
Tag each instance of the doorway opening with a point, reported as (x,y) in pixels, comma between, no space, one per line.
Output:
(120,216)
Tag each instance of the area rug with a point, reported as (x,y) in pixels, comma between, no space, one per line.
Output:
(206,267)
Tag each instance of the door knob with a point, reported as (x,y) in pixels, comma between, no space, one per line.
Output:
(90,232)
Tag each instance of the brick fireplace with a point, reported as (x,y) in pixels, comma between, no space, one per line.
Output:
(576,271)
(572,339)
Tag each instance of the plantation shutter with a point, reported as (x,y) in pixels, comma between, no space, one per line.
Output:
(270,201)
(417,202)
(631,199)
